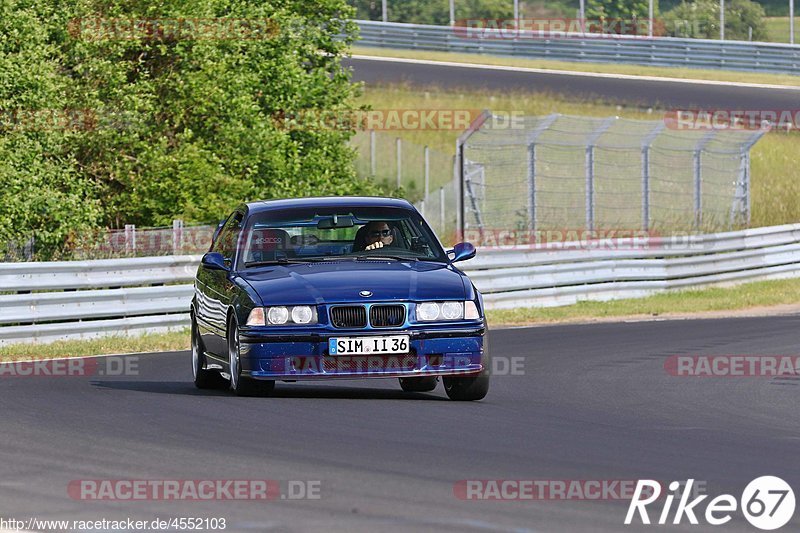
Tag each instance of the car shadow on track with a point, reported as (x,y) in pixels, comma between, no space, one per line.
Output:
(183,388)
(281,391)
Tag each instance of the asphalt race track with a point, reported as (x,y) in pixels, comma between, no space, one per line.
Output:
(642,93)
(593,402)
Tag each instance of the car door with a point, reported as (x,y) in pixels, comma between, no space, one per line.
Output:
(216,290)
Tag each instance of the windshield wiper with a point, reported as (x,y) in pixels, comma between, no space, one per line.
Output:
(384,256)
(284,261)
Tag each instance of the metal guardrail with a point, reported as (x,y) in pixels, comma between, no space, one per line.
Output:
(84,299)
(79,300)
(631,49)
(565,273)
(94,274)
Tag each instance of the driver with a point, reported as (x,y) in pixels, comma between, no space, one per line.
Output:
(378,235)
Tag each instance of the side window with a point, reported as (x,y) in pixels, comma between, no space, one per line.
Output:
(228,236)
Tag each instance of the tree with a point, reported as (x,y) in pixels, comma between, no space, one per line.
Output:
(174,122)
(43,193)
(620,16)
(700,19)
(618,9)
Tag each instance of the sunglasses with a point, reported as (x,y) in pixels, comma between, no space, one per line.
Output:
(380,233)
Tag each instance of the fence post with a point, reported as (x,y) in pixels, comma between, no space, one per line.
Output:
(458,168)
(747,187)
(130,238)
(646,188)
(398,145)
(532,186)
(590,142)
(441,209)
(697,158)
(458,187)
(177,236)
(427,177)
(589,168)
(372,160)
(739,203)
(648,140)
(698,214)
(744,178)
(537,131)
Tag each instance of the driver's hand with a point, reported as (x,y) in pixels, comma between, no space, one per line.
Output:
(374,246)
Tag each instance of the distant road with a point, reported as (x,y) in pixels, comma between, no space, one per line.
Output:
(631,90)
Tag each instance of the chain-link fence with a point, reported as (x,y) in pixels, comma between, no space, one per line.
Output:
(425,174)
(557,172)
(129,241)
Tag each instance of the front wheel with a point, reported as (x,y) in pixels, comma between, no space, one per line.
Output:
(470,388)
(425,384)
(243,385)
(466,389)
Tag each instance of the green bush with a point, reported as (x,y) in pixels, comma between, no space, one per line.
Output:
(164,126)
(618,9)
(700,19)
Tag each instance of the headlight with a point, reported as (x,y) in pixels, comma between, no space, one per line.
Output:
(428,311)
(278,315)
(302,314)
(452,310)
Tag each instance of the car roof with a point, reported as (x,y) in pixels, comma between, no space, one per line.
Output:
(328,201)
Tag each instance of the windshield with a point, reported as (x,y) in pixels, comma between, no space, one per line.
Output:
(302,235)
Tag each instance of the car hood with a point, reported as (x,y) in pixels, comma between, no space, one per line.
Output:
(342,281)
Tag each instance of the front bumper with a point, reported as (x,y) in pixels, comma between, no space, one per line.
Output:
(443,351)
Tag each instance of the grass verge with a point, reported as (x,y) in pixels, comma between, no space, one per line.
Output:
(759,297)
(604,68)
(153,342)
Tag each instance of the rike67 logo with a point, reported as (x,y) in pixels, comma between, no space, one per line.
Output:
(767,503)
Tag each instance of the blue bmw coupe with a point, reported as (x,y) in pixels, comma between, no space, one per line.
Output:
(342,287)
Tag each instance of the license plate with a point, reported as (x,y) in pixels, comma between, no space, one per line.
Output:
(368,345)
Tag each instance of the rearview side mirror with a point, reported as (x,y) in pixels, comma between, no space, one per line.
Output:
(214,261)
(462,251)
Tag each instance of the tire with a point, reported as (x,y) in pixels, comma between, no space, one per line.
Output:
(203,378)
(239,384)
(468,389)
(425,384)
